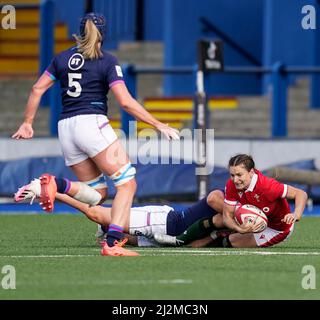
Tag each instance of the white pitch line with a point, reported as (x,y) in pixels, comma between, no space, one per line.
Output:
(147,282)
(53,256)
(229,252)
(135,282)
(160,252)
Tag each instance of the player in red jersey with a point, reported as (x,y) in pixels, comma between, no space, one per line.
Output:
(247,185)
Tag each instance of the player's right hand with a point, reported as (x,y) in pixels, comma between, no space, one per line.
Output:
(170,133)
(257,226)
(248,227)
(24,132)
(289,218)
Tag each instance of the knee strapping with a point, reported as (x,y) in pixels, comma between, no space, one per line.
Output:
(97,183)
(87,192)
(123,175)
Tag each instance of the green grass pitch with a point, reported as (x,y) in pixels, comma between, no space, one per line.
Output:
(55,257)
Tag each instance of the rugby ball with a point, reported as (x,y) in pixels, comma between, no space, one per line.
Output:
(249,213)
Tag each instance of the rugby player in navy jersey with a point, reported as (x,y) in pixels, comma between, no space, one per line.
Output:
(153,225)
(89,144)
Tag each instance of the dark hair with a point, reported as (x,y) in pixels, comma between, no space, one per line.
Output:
(244,159)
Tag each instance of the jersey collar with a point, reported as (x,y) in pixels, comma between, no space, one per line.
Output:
(252,183)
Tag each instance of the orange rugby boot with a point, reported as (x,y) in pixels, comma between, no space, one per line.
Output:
(117,250)
(48,192)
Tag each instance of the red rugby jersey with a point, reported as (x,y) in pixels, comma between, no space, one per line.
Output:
(267,194)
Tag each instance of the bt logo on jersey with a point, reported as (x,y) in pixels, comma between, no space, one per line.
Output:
(76,61)
(9,20)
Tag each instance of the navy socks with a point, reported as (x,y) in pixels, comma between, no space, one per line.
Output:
(63,185)
(114,233)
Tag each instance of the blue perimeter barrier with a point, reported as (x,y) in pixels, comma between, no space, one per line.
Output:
(60,208)
(153,179)
(174,182)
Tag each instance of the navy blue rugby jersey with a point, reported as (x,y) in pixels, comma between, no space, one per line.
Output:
(84,83)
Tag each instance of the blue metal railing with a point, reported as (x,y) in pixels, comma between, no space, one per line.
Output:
(278,81)
(278,74)
(279,84)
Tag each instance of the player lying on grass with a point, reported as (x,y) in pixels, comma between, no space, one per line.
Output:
(247,185)
(146,221)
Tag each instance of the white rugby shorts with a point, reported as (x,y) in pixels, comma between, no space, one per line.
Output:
(147,242)
(84,136)
(148,220)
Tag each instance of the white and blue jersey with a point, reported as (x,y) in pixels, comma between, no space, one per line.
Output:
(84,83)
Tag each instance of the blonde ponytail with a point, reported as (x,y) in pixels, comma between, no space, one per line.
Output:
(89,44)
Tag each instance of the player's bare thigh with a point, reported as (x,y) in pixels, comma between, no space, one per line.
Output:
(98,214)
(111,159)
(215,200)
(87,170)
(102,215)
(114,162)
(245,240)
(217,220)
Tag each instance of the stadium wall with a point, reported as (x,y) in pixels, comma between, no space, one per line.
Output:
(154,20)
(120,15)
(183,29)
(284,38)
(266,152)
(67,12)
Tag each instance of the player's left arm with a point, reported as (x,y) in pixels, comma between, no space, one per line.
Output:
(300,198)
